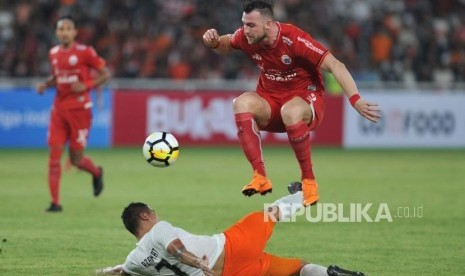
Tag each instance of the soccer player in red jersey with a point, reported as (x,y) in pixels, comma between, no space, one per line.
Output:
(290,92)
(70,118)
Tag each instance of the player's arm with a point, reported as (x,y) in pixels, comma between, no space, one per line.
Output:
(50,81)
(179,251)
(115,270)
(221,44)
(102,76)
(371,111)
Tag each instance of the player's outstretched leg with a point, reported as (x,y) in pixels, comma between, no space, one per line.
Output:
(334,270)
(259,184)
(294,187)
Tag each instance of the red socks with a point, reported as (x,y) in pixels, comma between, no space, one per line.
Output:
(299,138)
(54,174)
(250,141)
(54,171)
(87,165)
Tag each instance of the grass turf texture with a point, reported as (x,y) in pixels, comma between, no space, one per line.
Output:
(201,193)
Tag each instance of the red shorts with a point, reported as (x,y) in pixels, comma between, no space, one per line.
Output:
(69,125)
(244,249)
(316,101)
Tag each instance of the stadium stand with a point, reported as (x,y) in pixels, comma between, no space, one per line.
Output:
(397,40)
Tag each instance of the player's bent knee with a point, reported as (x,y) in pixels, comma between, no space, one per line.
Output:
(75,158)
(291,117)
(246,102)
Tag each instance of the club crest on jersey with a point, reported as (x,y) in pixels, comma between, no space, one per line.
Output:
(286,59)
(73,60)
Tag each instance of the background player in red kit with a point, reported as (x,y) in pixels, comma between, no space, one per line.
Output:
(289,96)
(71,116)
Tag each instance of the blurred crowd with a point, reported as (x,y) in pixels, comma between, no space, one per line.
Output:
(378,40)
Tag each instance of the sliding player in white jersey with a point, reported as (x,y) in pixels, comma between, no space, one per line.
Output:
(164,245)
(164,249)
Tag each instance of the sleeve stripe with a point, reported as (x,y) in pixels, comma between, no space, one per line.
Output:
(322,58)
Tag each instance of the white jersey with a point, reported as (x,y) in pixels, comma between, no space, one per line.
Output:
(150,257)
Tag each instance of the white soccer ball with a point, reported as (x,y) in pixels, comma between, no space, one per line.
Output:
(161,149)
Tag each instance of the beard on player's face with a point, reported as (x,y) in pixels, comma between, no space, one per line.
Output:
(257,38)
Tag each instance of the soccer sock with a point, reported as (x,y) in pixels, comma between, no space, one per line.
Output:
(87,165)
(299,138)
(313,270)
(250,141)
(54,173)
(289,205)
(283,266)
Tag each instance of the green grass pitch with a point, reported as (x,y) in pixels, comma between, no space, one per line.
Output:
(201,193)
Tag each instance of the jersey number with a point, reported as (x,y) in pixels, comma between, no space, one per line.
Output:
(164,264)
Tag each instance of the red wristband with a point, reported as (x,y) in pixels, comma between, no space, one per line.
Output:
(89,83)
(354,98)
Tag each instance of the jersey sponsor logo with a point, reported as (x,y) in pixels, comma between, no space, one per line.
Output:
(67,79)
(286,59)
(287,40)
(257,57)
(278,77)
(310,45)
(73,60)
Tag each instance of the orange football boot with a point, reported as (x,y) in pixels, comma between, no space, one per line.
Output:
(310,192)
(259,184)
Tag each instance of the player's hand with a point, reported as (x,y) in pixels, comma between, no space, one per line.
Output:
(41,88)
(78,87)
(371,111)
(203,264)
(211,38)
(116,270)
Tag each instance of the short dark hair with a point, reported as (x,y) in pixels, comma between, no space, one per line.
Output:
(67,17)
(130,215)
(265,8)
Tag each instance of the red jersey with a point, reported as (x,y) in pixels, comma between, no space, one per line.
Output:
(69,66)
(290,65)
